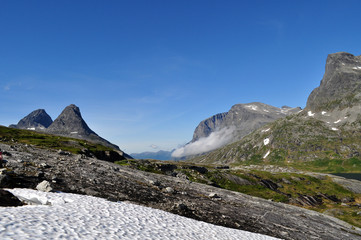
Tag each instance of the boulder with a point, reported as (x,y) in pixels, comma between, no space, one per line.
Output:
(44,186)
(7,199)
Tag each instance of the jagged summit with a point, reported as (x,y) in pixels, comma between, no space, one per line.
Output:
(340,86)
(36,120)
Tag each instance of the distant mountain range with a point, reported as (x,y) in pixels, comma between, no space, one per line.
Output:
(326,134)
(159,155)
(69,124)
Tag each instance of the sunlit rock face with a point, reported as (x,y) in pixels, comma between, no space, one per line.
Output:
(340,86)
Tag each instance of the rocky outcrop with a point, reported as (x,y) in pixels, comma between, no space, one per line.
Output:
(7,199)
(36,120)
(340,86)
(80,174)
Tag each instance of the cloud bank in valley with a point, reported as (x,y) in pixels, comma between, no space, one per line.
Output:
(213,141)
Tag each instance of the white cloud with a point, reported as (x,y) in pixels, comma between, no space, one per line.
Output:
(213,141)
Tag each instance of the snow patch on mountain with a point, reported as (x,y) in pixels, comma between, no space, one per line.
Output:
(252,107)
(266,130)
(267,153)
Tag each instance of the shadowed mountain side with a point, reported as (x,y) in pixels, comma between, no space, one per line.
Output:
(36,120)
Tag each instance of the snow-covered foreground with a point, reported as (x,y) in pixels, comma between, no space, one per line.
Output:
(72,216)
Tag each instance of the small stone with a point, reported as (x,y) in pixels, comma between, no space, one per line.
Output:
(213,195)
(3,171)
(155,183)
(44,186)
(61,152)
(181,206)
(169,190)
(182,176)
(286,181)
(44,165)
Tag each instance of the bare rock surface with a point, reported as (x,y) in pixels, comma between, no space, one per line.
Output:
(27,166)
(340,86)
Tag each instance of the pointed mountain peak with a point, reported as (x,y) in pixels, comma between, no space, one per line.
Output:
(70,122)
(36,120)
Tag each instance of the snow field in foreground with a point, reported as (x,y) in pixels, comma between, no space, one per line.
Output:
(72,216)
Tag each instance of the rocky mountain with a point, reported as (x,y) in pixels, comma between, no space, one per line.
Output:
(36,120)
(159,155)
(70,123)
(323,137)
(245,118)
(224,128)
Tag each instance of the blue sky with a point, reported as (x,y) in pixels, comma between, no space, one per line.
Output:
(145,73)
